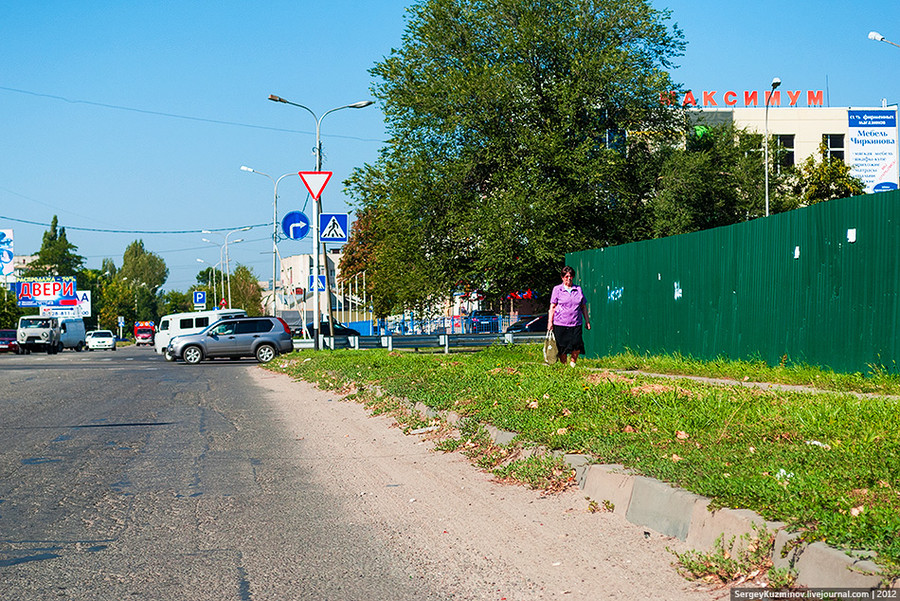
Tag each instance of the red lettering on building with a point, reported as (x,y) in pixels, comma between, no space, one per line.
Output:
(730,98)
(68,289)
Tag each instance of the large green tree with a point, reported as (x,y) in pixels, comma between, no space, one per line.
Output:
(506,149)
(57,256)
(825,178)
(716,177)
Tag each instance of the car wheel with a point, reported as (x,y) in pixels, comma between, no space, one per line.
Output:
(192,355)
(169,357)
(265,353)
(79,347)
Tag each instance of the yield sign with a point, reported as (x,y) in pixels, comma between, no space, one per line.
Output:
(315,181)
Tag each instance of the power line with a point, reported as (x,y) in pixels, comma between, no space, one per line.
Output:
(177,116)
(146,232)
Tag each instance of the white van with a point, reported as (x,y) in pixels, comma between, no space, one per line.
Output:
(71,333)
(178,324)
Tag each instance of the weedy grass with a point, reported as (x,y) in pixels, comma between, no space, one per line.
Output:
(827,463)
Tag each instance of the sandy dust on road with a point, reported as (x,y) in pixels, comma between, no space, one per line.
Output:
(463,532)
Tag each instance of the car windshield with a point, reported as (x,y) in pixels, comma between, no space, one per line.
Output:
(36,322)
(7,333)
(102,335)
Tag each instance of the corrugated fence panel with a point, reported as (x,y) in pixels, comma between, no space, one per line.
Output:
(819,285)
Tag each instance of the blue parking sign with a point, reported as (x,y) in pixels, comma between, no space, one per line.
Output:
(200,297)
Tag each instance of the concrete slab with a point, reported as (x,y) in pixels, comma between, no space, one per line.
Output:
(666,509)
(821,566)
(611,483)
(709,525)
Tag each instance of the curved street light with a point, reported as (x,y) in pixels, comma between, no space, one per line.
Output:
(274,231)
(775,83)
(227,262)
(874,35)
(317,209)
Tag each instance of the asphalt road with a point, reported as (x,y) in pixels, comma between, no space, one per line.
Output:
(123,476)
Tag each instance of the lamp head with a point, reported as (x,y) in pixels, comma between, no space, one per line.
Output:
(275,98)
(874,35)
(776,82)
(361,104)
(246,168)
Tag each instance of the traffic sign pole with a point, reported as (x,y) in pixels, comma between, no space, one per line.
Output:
(315,182)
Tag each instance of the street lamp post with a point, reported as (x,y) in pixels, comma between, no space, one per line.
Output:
(215,268)
(874,35)
(221,273)
(274,231)
(317,209)
(227,261)
(775,83)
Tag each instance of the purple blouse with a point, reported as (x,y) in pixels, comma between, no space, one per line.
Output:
(568,305)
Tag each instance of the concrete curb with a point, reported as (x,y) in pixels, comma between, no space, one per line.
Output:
(689,517)
(675,512)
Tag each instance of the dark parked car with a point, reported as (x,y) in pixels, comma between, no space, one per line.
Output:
(532,323)
(8,342)
(260,337)
(339,329)
(484,322)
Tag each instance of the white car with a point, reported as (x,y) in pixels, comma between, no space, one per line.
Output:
(101,339)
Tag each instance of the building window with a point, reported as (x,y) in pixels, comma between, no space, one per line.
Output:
(785,151)
(834,145)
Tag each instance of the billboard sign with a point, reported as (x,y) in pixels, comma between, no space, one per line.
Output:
(49,291)
(872,148)
(6,253)
(82,309)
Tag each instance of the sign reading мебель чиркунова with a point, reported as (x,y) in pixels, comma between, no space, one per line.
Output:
(872,148)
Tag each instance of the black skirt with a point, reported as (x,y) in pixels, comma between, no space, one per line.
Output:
(568,339)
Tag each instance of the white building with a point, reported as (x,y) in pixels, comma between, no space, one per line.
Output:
(865,138)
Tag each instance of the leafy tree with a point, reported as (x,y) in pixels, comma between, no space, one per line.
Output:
(118,300)
(716,178)
(246,293)
(827,178)
(506,152)
(57,256)
(174,301)
(9,309)
(140,266)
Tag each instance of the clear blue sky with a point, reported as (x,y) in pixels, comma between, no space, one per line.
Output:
(138,116)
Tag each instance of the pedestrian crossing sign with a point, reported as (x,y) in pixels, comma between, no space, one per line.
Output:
(333,227)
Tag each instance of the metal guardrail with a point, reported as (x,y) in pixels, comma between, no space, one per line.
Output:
(417,341)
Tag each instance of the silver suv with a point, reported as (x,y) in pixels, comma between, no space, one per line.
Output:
(260,337)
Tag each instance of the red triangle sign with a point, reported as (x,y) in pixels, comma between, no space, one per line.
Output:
(315,181)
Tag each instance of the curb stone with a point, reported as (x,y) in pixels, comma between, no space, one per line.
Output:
(675,512)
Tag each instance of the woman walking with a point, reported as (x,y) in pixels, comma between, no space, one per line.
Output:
(567,314)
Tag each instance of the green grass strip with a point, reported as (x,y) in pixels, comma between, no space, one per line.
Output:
(827,463)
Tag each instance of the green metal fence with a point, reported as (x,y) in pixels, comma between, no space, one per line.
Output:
(819,285)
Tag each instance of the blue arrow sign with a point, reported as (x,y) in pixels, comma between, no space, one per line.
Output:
(333,227)
(295,225)
(321,284)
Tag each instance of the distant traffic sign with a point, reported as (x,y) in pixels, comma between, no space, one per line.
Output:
(321,284)
(199,299)
(295,225)
(333,227)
